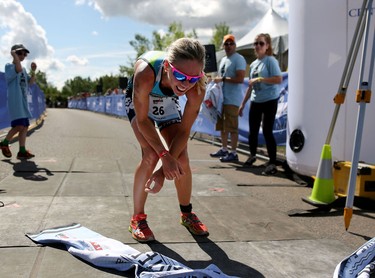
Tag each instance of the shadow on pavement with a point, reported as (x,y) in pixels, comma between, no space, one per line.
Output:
(27,169)
(218,257)
(286,173)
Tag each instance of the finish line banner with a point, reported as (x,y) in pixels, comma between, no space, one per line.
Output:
(109,253)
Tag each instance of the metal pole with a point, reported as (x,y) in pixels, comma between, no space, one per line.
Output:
(364,87)
(348,69)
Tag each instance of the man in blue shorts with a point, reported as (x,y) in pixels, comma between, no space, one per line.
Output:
(232,73)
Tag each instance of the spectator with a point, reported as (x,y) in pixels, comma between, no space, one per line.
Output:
(152,97)
(18,82)
(232,72)
(265,74)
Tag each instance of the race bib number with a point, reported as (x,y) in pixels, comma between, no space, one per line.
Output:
(163,109)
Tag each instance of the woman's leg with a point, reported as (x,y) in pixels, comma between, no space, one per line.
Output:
(138,224)
(184,184)
(143,171)
(184,189)
(255,118)
(270,109)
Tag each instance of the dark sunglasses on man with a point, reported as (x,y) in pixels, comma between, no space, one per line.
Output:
(229,43)
(21,52)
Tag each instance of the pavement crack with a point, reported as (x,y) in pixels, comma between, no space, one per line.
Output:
(37,263)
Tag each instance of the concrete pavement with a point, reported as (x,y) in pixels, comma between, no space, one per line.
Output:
(83,173)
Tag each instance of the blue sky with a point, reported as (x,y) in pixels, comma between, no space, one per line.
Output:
(90,38)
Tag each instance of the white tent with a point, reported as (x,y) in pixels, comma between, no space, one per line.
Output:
(273,24)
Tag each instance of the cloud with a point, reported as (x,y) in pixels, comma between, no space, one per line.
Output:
(19,26)
(77,61)
(202,15)
(14,18)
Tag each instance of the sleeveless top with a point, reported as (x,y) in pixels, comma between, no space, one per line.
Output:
(155,60)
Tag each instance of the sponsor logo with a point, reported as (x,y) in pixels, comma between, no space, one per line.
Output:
(356,12)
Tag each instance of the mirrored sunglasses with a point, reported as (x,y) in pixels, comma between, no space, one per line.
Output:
(180,76)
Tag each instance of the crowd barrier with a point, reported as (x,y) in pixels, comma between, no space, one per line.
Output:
(115,105)
(36,100)
(112,104)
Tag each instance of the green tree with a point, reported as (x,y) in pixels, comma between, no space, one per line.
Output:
(41,80)
(220,31)
(140,44)
(175,31)
(51,93)
(109,82)
(77,86)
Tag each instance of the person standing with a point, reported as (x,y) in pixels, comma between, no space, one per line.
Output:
(152,97)
(232,72)
(18,82)
(265,75)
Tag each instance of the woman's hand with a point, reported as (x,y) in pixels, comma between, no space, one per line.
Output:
(157,178)
(171,167)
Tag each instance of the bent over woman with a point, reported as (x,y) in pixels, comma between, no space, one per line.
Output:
(152,99)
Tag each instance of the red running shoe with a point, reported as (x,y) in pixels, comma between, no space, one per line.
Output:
(139,228)
(193,224)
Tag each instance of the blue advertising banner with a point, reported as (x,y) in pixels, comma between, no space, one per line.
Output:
(4,116)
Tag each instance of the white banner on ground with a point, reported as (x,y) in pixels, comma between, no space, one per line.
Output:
(360,263)
(110,253)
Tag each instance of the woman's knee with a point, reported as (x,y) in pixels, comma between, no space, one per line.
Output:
(149,157)
(184,160)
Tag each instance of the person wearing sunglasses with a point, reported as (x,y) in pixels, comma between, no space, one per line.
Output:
(18,82)
(232,72)
(263,91)
(152,98)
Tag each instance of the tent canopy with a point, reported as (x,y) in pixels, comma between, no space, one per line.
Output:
(273,24)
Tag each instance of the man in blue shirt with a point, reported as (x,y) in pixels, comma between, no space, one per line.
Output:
(232,73)
(18,82)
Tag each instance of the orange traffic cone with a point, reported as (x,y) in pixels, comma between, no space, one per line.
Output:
(323,189)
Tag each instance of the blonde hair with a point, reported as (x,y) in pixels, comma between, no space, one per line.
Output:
(188,49)
(268,40)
